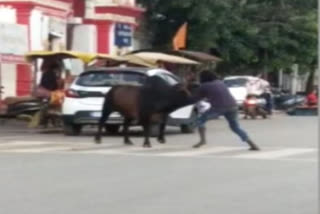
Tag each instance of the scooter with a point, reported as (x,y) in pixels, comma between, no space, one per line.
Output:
(254,106)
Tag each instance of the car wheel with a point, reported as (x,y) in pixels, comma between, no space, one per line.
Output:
(187,128)
(72,129)
(112,129)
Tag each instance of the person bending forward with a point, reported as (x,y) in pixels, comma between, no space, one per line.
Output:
(222,103)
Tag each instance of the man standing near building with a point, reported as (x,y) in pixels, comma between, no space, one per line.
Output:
(222,103)
(50,80)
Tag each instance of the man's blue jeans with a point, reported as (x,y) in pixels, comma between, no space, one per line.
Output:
(231,116)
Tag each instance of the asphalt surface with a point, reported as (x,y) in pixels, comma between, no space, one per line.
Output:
(46,172)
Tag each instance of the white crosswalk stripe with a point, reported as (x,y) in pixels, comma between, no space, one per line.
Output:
(281,153)
(36,150)
(202,151)
(308,154)
(23,144)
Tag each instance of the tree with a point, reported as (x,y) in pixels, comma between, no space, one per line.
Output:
(248,34)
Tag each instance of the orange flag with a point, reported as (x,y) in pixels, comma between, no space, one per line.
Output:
(180,39)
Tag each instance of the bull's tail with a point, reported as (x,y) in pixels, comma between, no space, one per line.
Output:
(106,111)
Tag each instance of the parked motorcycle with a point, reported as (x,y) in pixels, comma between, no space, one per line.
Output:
(26,107)
(40,112)
(286,101)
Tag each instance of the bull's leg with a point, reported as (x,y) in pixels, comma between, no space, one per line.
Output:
(246,113)
(126,125)
(146,129)
(105,115)
(161,137)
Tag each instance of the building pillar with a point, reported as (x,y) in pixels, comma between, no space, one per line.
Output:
(280,78)
(103,30)
(294,83)
(24,73)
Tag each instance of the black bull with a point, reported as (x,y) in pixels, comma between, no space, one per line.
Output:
(146,104)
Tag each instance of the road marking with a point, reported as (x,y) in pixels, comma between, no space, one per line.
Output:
(122,150)
(72,146)
(24,143)
(282,153)
(36,150)
(203,151)
(159,150)
(11,137)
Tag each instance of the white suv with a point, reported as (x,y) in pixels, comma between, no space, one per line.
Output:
(84,99)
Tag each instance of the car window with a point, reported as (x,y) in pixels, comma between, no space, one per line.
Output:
(168,79)
(239,82)
(101,79)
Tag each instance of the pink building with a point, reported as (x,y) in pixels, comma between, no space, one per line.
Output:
(104,26)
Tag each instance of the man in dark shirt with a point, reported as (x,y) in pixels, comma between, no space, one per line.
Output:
(222,103)
(50,80)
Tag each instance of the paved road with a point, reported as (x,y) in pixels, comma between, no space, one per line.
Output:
(50,173)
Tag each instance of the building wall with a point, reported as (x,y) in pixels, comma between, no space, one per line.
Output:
(105,15)
(7,15)
(85,40)
(113,49)
(23,80)
(96,35)
(8,71)
(8,79)
(110,2)
(36,28)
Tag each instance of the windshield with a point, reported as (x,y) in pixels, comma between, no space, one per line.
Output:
(169,79)
(102,79)
(239,82)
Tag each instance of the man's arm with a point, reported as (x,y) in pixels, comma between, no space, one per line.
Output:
(198,95)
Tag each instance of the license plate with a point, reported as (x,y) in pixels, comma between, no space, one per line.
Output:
(115,114)
(96,114)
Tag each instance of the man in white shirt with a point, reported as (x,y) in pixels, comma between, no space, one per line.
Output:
(260,87)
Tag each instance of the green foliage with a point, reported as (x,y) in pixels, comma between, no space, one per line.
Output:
(248,34)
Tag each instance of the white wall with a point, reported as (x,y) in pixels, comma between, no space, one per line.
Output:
(8,15)
(8,79)
(8,73)
(109,2)
(35,30)
(84,40)
(112,48)
(294,83)
(44,31)
(40,29)
(58,27)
